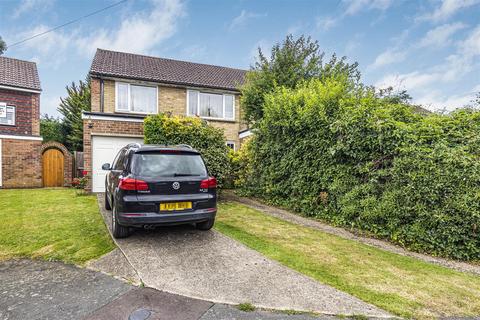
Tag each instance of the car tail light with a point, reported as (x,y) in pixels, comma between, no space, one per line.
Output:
(210,183)
(133,184)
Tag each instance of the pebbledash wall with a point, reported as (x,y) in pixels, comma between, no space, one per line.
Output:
(20,145)
(170,99)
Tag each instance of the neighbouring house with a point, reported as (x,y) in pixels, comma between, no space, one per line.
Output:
(20,141)
(126,87)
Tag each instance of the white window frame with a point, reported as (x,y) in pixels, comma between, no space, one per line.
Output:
(14,114)
(198,104)
(231,142)
(128,97)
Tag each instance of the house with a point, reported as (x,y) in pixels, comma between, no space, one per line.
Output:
(20,141)
(126,87)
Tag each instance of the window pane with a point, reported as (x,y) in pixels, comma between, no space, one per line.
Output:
(9,119)
(229,107)
(211,105)
(143,99)
(192,102)
(122,96)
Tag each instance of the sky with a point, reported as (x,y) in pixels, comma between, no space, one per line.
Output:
(430,48)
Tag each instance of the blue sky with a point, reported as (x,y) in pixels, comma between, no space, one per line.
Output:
(431,48)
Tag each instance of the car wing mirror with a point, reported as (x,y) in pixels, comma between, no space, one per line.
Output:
(106,166)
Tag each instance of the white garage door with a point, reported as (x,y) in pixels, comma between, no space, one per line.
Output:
(104,150)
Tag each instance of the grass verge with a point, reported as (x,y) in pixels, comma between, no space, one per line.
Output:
(402,285)
(53,224)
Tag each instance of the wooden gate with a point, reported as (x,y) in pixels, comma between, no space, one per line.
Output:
(52,160)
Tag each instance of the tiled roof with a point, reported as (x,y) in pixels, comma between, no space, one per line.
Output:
(19,73)
(140,67)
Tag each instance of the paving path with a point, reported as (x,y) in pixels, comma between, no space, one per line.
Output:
(213,267)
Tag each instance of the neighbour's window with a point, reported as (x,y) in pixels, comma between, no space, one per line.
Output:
(211,105)
(7,115)
(135,98)
(231,145)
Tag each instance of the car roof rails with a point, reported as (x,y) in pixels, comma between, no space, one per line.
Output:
(185,146)
(134,144)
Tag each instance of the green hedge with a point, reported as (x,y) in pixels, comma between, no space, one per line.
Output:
(357,161)
(208,140)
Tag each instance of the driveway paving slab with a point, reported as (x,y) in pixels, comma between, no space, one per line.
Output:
(210,266)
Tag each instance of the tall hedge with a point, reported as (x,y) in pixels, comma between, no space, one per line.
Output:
(208,140)
(358,161)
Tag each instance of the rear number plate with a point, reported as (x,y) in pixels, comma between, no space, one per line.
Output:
(175,206)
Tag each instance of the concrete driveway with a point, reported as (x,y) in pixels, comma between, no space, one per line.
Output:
(213,267)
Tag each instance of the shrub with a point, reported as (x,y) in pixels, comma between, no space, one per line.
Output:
(208,140)
(348,157)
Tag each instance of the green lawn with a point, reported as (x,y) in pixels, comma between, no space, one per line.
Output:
(404,286)
(51,224)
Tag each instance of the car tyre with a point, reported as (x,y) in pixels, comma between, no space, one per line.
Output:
(205,225)
(107,203)
(118,230)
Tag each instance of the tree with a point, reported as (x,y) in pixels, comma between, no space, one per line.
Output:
(3,46)
(52,129)
(394,97)
(290,63)
(71,108)
(476,101)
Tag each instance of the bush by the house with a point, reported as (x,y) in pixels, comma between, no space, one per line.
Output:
(208,140)
(349,157)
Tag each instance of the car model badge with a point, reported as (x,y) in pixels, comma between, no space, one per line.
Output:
(176,185)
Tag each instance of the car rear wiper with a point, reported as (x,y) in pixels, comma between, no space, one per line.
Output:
(184,174)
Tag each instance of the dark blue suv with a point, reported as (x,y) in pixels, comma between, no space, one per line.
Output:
(151,185)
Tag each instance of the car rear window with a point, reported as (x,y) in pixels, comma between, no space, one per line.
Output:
(168,165)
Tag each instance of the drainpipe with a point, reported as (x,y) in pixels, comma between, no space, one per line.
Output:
(101,95)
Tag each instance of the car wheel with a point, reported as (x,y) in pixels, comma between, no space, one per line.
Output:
(118,231)
(205,225)
(107,203)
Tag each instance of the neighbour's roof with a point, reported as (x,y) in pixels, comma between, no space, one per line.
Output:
(19,73)
(146,68)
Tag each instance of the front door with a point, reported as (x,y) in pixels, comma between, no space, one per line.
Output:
(52,160)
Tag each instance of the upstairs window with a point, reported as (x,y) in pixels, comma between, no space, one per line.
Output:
(135,98)
(210,105)
(7,115)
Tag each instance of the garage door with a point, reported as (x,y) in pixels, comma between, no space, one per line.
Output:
(104,150)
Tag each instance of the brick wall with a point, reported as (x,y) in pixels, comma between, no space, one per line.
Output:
(27,112)
(170,99)
(105,127)
(21,163)
(95,94)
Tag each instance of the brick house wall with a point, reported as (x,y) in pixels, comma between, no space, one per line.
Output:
(170,99)
(27,112)
(105,128)
(21,163)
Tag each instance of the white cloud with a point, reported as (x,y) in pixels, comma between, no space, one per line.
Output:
(352,7)
(388,57)
(441,35)
(447,9)
(326,23)
(242,19)
(47,49)
(355,6)
(425,84)
(138,33)
(28,5)
(436,101)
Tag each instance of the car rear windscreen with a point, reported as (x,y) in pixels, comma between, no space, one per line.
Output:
(168,165)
